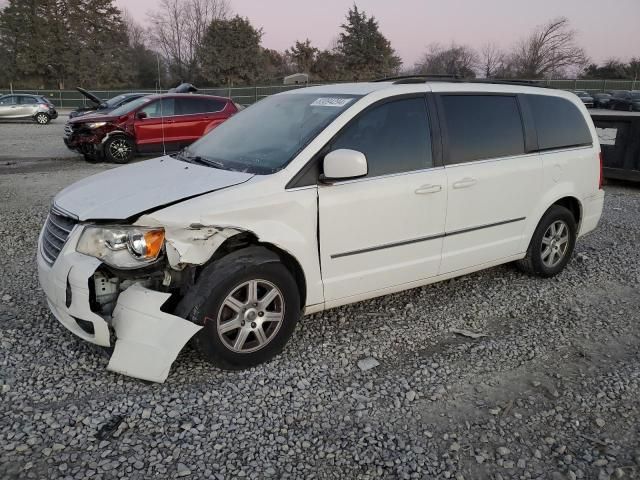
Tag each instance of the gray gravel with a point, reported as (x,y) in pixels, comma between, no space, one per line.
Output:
(26,140)
(552,391)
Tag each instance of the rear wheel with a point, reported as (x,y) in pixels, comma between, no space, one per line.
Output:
(551,245)
(42,118)
(119,149)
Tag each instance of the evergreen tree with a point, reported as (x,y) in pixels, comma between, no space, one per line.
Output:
(230,52)
(303,55)
(365,51)
(58,43)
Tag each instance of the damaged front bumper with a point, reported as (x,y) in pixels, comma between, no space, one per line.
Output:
(147,340)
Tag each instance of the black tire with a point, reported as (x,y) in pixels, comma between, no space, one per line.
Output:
(204,305)
(533,263)
(42,118)
(119,149)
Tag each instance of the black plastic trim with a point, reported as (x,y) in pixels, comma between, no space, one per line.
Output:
(529,125)
(426,239)
(387,245)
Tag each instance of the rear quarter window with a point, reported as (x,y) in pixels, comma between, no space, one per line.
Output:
(559,123)
(195,105)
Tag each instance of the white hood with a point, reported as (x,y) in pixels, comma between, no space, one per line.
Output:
(124,192)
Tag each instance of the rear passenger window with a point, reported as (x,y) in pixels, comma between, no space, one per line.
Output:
(28,100)
(192,106)
(559,123)
(480,127)
(393,136)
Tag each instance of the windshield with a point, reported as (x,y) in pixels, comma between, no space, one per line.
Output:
(265,137)
(129,107)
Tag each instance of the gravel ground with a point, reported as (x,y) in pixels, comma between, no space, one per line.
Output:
(29,141)
(551,391)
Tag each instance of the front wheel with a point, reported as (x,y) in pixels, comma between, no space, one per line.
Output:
(119,149)
(551,245)
(249,304)
(42,118)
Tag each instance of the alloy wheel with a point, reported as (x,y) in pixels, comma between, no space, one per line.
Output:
(250,316)
(555,243)
(42,119)
(120,149)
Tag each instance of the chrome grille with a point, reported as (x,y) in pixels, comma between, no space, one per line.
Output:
(56,231)
(68,130)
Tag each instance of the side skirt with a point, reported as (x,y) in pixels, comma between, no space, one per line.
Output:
(418,283)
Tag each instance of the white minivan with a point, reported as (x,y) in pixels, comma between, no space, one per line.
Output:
(312,199)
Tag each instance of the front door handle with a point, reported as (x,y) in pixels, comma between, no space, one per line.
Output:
(425,189)
(465,183)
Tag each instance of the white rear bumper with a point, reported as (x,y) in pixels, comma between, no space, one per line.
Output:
(592,211)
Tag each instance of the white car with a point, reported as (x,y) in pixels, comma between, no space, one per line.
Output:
(313,199)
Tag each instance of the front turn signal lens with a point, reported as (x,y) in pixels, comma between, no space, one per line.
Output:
(154,240)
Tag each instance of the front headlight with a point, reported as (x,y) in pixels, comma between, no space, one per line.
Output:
(122,247)
(96,125)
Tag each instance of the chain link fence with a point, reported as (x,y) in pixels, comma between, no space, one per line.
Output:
(248,95)
(241,95)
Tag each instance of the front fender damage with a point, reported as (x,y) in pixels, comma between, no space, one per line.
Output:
(149,340)
(194,245)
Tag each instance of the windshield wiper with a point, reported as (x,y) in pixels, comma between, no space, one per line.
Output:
(199,160)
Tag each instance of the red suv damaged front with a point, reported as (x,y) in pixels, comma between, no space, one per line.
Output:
(148,125)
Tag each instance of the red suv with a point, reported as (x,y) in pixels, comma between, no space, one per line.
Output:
(153,124)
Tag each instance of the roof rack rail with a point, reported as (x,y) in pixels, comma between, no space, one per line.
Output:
(418,78)
(406,79)
(522,83)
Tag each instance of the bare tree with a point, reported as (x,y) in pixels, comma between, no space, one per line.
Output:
(492,60)
(455,60)
(178,27)
(550,50)
(135,32)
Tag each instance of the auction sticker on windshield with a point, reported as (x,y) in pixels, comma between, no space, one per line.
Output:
(331,102)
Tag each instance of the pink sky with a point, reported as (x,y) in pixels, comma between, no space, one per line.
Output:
(604,29)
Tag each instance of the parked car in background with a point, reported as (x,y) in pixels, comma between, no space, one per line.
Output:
(628,101)
(601,100)
(27,107)
(313,199)
(150,124)
(586,98)
(103,106)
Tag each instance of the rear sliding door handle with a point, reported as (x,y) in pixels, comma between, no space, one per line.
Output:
(425,189)
(465,183)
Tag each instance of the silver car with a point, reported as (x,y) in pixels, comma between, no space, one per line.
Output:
(27,107)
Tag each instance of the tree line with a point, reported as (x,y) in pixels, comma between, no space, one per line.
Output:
(65,43)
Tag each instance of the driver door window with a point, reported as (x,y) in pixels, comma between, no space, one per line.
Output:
(9,101)
(393,136)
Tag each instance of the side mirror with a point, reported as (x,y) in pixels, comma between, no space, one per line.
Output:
(344,164)
(141,115)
